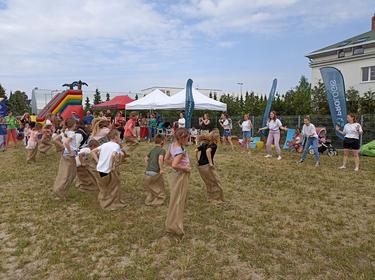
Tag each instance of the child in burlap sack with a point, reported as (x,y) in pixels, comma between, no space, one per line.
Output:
(153,180)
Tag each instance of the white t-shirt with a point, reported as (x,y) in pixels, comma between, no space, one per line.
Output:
(73,143)
(309,130)
(181,123)
(227,125)
(274,125)
(352,130)
(246,125)
(105,156)
(84,151)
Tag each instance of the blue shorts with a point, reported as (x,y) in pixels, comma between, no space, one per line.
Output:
(227,133)
(246,134)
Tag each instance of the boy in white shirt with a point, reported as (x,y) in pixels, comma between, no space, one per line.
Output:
(312,139)
(108,156)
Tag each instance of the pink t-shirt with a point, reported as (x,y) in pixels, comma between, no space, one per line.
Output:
(178,150)
(129,128)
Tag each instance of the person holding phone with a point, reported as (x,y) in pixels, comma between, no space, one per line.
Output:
(352,131)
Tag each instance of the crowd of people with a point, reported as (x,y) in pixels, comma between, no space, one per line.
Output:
(91,150)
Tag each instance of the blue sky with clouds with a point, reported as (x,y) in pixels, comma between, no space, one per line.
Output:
(127,45)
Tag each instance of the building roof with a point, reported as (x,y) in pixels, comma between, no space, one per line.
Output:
(359,40)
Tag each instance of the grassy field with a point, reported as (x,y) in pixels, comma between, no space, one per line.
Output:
(279,221)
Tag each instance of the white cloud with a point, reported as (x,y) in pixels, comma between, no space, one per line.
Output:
(215,17)
(118,40)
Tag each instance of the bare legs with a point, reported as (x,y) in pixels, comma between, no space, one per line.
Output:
(346,156)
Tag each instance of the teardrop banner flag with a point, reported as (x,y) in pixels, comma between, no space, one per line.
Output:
(189,103)
(335,92)
(269,104)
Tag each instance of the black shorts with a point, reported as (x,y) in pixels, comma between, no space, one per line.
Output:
(351,144)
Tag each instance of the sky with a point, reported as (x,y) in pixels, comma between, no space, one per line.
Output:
(129,45)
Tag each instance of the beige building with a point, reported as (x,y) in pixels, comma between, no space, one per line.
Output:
(173,90)
(354,57)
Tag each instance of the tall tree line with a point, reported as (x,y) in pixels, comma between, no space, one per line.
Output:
(300,100)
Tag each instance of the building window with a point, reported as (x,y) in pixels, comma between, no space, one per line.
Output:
(368,74)
(341,53)
(358,50)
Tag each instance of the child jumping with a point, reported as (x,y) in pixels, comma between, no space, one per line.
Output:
(67,166)
(87,176)
(205,154)
(108,157)
(45,143)
(153,180)
(32,143)
(131,140)
(178,158)
(311,140)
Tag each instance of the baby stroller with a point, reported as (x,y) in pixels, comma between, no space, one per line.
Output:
(324,143)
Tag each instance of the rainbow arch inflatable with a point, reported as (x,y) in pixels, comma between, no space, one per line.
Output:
(63,103)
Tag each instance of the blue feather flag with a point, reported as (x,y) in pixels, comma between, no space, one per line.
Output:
(189,103)
(269,104)
(335,92)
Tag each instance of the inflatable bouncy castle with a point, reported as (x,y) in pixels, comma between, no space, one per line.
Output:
(64,103)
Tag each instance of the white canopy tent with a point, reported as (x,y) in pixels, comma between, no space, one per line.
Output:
(152,101)
(201,101)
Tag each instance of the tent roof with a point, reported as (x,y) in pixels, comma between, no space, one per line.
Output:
(202,102)
(116,103)
(151,101)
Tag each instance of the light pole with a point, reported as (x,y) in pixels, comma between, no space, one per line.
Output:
(240,84)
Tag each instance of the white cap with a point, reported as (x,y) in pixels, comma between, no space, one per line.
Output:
(48,122)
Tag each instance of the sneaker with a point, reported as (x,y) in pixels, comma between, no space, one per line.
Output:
(300,161)
(317,164)
(342,167)
(356,169)
(267,156)
(279,158)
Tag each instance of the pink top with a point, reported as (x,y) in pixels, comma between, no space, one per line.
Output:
(129,128)
(176,150)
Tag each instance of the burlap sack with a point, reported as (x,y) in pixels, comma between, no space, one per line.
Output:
(44,146)
(130,144)
(154,189)
(65,176)
(211,179)
(109,191)
(87,176)
(31,154)
(177,202)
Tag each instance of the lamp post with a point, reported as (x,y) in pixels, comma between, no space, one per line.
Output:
(240,84)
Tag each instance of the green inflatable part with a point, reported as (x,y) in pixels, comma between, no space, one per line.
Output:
(368,149)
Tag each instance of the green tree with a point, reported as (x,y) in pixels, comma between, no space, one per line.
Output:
(368,102)
(215,96)
(107,97)
(298,100)
(353,100)
(136,96)
(18,103)
(319,103)
(87,104)
(210,95)
(2,91)
(97,97)
(242,103)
